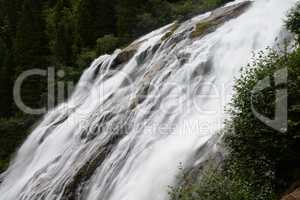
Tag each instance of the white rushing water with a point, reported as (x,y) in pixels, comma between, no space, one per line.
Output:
(124,132)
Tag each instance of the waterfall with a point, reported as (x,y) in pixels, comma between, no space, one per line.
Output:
(138,114)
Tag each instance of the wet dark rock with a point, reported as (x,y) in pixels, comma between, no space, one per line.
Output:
(141,58)
(177,38)
(125,55)
(73,189)
(140,96)
(102,124)
(97,71)
(183,58)
(91,133)
(204,69)
(155,48)
(143,91)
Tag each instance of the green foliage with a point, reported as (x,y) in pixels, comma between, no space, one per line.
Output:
(145,23)
(293,22)
(61,31)
(265,154)
(13,133)
(262,162)
(186,9)
(86,57)
(127,12)
(106,44)
(213,184)
(31,40)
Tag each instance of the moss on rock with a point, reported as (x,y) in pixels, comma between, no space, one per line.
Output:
(201,28)
(171,32)
(219,17)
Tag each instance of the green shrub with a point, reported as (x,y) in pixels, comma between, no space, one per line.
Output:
(106,44)
(184,8)
(293,22)
(214,184)
(265,154)
(13,133)
(85,58)
(146,23)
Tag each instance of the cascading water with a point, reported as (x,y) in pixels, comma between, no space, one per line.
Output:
(128,125)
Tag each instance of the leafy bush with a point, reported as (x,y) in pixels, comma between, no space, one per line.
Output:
(106,44)
(13,133)
(146,23)
(293,22)
(213,184)
(267,155)
(85,57)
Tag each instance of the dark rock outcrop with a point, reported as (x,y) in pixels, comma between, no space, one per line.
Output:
(125,55)
(73,189)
